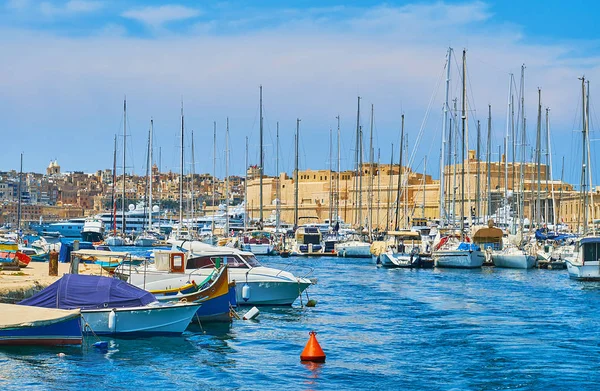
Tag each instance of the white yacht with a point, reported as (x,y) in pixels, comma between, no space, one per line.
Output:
(255,284)
(584,262)
(451,252)
(353,247)
(93,230)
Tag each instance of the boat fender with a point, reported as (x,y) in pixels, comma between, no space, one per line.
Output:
(112,320)
(252,314)
(246,292)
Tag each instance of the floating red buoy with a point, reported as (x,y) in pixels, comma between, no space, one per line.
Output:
(312,351)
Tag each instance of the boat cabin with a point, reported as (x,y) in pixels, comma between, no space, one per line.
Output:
(174,261)
(490,237)
(402,237)
(308,236)
(589,249)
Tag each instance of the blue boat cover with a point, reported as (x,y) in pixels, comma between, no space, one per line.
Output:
(464,246)
(66,248)
(89,292)
(592,239)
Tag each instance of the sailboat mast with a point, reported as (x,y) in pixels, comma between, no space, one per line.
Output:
(443,158)
(20,197)
(113,205)
(371,164)
(538,147)
(589,154)
(454,173)
(523,151)
(296,174)
(389,195)
(330,177)
(261,168)
(339,171)
(181,175)
(477,179)
(123,227)
(489,163)
(357,166)
(584,155)
(424,179)
(278,188)
(549,166)
(378,186)
(397,226)
(144,219)
(246,186)
(227,179)
(150,179)
(193,173)
(464,121)
(214,179)
(507,136)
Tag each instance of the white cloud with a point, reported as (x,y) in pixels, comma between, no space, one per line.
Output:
(158,16)
(310,66)
(71,7)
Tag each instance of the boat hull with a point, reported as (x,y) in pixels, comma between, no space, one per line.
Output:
(62,330)
(140,321)
(459,259)
(258,249)
(513,261)
(401,260)
(91,236)
(590,271)
(144,242)
(353,251)
(114,241)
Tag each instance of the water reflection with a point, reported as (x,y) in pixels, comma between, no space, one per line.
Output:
(314,369)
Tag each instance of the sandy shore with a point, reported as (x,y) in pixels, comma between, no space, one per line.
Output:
(15,286)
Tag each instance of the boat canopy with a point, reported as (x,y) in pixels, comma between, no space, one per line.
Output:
(90,292)
(67,248)
(486,235)
(589,240)
(405,234)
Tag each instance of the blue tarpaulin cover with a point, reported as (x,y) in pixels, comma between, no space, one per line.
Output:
(464,246)
(67,248)
(90,292)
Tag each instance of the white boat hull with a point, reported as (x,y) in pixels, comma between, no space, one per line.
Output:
(114,241)
(590,271)
(460,259)
(144,242)
(140,321)
(513,261)
(258,249)
(362,250)
(266,286)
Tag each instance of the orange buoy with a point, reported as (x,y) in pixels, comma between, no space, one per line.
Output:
(312,351)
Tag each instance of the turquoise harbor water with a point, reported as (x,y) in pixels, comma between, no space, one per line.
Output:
(488,329)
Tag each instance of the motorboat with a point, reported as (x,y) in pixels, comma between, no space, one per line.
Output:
(216,294)
(500,251)
(354,247)
(584,262)
(93,230)
(255,283)
(258,242)
(404,251)
(24,325)
(110,306)
(114,241)
(308,241)
(454,252)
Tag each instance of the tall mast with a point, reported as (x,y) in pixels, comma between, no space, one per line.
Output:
(227,179)
(261,168)
(378,186)
(246,187)
(278,191)
(123,227)
(360,176)
(113,204)
(538,147)
(507,136)
(512,133)
(489,163)
(193,173)
(181,175)
(584,156)
(443,160)
(589,154)
(397,226)
(523,148)
(150,179)
(159,185)
(477,179)
(214,179)
(371,164)
(144,219)
(19,197)
(549,167)
(330,177)
(357,167)
(339,171)
(455,168)
(464,121)
(424,179)
(296,174)
(389,195)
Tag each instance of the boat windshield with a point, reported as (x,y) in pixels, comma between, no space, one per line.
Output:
(251,260)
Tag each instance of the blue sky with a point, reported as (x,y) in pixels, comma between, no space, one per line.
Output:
(67,65)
